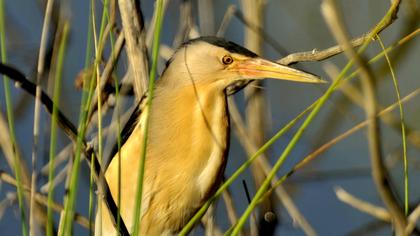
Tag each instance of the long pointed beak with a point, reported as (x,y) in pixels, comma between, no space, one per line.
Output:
(258,68)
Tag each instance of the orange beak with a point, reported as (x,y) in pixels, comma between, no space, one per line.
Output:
(258,68)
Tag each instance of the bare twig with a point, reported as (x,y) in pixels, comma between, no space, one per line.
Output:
(319,55)
(184,24)
(41,199)
(366,207)
(165,51)
(33,221)
(310,157)
(58,178)
(133,28)
(404,39)
(226,20)
(379,173)
(209,223)
(152,24)
(230,208)
(8,201)
(206,16)
(281,193)
(62,156)
(369,228)
(409,22)
(256,28)
(107,72)
(72,133)
(9,154)
(256,110)
(412,220)
(354,95)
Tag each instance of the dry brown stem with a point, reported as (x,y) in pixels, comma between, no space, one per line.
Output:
(366,207)
(133,29)
(262,162)
(379,173)
(41,199)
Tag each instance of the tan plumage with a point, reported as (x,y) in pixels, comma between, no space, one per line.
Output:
(188,134)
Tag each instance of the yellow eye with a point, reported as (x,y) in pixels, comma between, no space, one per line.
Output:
(227,60)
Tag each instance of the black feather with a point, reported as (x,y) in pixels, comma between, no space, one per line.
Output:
(223,43)
(128,127)
(219,42)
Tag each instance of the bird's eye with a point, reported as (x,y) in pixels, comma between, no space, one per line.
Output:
(227,60)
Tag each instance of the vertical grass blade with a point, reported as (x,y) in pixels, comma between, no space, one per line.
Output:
(88,55)
(117,108)
(264,187)
(66,227)
(83,121)
(98,45)
(153,71)
(404,143)
(54,123)
(187,228)
(37,114)
(10,119)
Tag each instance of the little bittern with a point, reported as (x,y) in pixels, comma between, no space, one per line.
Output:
(188,135)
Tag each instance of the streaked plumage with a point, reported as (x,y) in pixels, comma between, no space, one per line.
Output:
(188,134)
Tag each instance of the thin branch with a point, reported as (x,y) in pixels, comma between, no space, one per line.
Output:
(209,223)
(330,12)
(10,151)
(226,20)
(317,55)
(133,29)
(257,29)
(366,207)
(412,220)
(184,24)
(385,21)
(62,156)
(206,16)
(368,228)
(256,110)
(72,133)
(404,39)
(107,72)
(310,157)
(58,178)
(356,97)
(152,25)
(37,113)
(281,193)
(230,208)
(42,199)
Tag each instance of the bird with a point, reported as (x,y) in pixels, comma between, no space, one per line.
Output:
(188,137)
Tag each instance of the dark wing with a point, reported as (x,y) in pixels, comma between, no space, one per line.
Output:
(128,127)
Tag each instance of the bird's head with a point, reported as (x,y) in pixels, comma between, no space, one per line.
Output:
(228,66)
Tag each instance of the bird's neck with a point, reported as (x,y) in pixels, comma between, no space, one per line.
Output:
(194,125)
(186,154)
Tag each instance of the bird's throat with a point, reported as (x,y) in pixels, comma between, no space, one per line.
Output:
(199,125)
